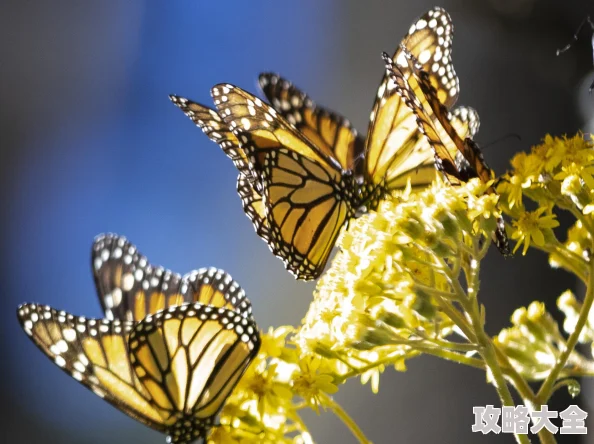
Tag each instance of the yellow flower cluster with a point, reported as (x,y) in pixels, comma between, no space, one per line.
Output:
(264,407)
(534,343)
(383,299)
(395,291)
(557,173)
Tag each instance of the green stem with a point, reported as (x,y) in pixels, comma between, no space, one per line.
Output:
(457,318)
(452,356)
(524,390)
(583,219)
(346,419)
(454,346)
(433,291)
(487,350)
(546,389)
(358,371)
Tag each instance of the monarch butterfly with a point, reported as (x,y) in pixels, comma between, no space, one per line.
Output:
(307,159)
(467,162)
(172,371)
(130,288)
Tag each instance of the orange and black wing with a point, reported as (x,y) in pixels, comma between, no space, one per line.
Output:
(328,130)
(458,159)
(394,148)
(307,207)
(95,353)
(189,358)
(130,288)
(307,195)
(209,121)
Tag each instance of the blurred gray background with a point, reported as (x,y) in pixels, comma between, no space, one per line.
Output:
(90,143)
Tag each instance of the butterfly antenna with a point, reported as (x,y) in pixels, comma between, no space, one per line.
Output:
(501,139)
(576,36)
(586,20)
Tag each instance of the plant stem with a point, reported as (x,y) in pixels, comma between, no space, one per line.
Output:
(452,356)
(385,361)
(487,349)
(458,319)
(346,419)
(546,388)
(524,390)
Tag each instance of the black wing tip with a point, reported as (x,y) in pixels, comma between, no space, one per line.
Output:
(175,98)
(265,78)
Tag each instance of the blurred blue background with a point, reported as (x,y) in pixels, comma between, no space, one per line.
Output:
(90,143)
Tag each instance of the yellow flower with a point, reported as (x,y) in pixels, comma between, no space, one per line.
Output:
(573,169)
(373,375)
(526,171)
(566,151)
(271,395)
(312,382)
(530,226)
(274,344)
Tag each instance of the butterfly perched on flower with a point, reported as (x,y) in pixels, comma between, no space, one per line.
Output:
(459,158)
(171,369)
(309,167)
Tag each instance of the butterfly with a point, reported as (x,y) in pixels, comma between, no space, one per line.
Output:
(467,161)
(130,288)
(312,170)
(172,371)
(203,316)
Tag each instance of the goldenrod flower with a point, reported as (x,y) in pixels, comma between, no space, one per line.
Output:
(313,381)
(530,227)
(565,151)
(274,344)
(526,171)
(576,170)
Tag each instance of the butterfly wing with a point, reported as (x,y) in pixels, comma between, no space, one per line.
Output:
(393,147)
(129,287)
(259,128)
(307,207)
(247,186)
(95,353)
(465,121)
(432,117)
(189,358)
(215,287)
(328,130)
(253,206)
(458,159)
(307,195)
(209,121)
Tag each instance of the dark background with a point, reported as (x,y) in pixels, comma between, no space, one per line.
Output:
(90,143)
